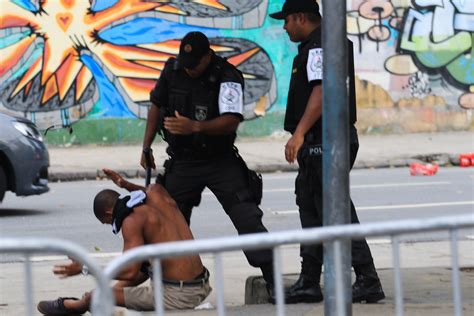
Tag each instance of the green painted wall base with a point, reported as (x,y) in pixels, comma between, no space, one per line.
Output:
(131,131)
(370,121)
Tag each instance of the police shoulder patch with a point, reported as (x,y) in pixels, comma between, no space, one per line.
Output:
(314,67)
(231,98)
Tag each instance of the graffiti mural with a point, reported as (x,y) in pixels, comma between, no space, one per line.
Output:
(432,42)
(63,60)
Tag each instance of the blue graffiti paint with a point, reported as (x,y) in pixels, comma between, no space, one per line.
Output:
(37,53)
(99,5)
(25,4)
(150,30)
(110,104)
(13,39)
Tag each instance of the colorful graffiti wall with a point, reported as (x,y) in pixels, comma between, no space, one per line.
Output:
(67,61)
(415,62)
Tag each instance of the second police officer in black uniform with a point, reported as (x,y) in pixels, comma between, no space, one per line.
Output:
(197,106)
(303,120)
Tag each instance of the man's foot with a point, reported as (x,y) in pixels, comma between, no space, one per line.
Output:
(367,289)
(57,308)
(304,290)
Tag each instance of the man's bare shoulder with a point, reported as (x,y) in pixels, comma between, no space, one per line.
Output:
(136,220)
(158,196)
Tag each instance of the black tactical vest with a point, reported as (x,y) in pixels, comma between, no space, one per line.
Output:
(196,99)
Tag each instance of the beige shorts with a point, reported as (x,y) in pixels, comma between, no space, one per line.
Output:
(141,298)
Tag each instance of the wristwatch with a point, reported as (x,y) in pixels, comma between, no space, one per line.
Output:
(85,270)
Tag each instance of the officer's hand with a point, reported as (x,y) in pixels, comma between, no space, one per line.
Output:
(67,270)
(180,125)
(115,177)
(152,160)
(292,147)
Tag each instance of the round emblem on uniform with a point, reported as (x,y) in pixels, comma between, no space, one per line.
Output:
(316,63)
(188,48)
(230,96)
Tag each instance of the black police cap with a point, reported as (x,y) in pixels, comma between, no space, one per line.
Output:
(193,47)
(296,6)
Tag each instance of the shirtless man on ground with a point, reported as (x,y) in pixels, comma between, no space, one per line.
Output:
(145,216)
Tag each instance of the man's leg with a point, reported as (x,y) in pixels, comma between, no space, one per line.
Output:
(228,181)
(184,183)
(367,286)
(309,200)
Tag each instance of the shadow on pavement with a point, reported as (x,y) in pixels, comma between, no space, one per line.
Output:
(13,212)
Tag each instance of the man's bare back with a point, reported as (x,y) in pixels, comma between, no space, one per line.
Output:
(159,220)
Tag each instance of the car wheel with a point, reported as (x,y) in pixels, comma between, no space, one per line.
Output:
(3,183)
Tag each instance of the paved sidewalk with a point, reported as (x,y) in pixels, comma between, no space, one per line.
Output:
(426,281)
(266,154)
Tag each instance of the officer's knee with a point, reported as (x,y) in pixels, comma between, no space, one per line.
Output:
(247,218)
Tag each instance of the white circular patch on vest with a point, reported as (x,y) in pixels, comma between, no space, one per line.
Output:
(314,67)
(230,98)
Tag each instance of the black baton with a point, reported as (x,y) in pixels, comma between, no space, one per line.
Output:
(146,153)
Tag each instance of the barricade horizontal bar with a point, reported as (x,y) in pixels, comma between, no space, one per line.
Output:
(30,246)
(263,240)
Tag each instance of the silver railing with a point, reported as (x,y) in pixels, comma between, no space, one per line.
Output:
(29,247)
(331,235)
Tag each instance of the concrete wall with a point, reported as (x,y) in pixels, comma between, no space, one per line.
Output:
(69,62)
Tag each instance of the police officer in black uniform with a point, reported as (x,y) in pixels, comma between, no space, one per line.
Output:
(197,107)
(304,121)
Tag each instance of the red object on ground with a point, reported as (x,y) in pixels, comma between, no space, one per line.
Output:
(418,169)
(466,160)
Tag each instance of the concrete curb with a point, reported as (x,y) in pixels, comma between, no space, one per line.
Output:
(442,159)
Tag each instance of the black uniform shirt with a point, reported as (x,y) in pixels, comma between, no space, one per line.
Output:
(307,73)
(218,91)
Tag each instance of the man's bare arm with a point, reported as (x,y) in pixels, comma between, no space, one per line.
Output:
(312,113)
(132,232)
(222,125)
(121,182)
(150,133)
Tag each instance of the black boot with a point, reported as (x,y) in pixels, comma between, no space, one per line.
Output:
(307,288)
(367,286)
(267,273)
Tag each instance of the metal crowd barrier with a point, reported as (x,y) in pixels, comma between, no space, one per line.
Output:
(29,247)
(103,302)
(332,234)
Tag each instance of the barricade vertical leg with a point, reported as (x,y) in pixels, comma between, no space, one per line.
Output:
(158,287)
(278,279)
(397,278)
(28,285)
(455,273)
(219,284)
(340,305)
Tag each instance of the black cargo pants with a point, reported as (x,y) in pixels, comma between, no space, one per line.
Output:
(226,177)
(309,198)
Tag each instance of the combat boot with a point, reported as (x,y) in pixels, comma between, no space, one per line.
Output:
(367,287)
(307,288)
(267,273)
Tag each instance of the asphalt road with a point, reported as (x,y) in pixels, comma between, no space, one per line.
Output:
(379,195)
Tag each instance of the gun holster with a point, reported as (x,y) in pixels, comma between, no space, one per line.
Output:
(254,179)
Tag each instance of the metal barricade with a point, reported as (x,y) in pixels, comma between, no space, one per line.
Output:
(30,246)
(332,234)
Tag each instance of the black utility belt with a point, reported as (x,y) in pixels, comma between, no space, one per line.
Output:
(312,150)
(196,155)
(201,279)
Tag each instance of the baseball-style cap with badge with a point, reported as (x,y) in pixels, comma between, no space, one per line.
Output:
(193,47)
(296,6)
